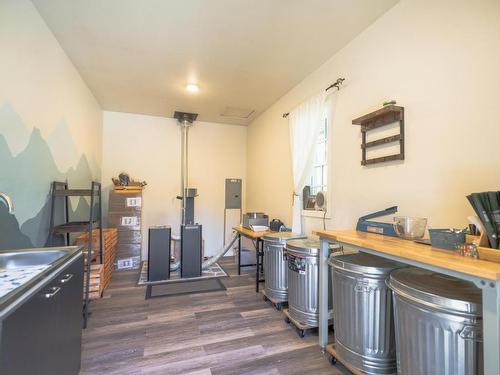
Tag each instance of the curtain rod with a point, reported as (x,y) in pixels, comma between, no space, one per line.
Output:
(337,85)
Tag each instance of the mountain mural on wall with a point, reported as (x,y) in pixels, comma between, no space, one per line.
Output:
(11,236)
(37,228)
(13,129)
(63,148)
(26,176)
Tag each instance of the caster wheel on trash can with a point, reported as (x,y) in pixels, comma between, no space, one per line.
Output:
(333,360)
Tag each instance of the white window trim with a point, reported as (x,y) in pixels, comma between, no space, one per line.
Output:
(315,213)
(318,214)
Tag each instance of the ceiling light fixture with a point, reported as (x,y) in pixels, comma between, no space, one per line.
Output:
(192,87)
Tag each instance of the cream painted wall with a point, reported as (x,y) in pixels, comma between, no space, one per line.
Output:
(440,60)
(50,126)
(41,84)
(148,148)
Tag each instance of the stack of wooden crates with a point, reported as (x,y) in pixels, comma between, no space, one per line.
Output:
(100,274)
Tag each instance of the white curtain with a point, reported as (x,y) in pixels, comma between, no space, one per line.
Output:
(305,123)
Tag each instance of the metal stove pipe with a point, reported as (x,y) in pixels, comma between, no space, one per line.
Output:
(185,120)
(185,124)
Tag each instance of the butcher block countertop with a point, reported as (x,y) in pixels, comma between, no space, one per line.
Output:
(249,233)
(413,251)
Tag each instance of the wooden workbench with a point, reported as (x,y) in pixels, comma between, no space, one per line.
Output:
(259,251)
(249,233)
(484,274)
(410,250)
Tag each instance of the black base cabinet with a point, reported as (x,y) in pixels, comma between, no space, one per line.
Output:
(43,336)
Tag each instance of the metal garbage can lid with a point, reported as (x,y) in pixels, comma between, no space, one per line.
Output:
(436,290)
(364,264)
(282,236)
(308,246)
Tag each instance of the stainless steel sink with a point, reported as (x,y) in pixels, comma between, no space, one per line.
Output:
(12,260)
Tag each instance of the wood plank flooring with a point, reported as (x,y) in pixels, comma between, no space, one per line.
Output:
(232,332)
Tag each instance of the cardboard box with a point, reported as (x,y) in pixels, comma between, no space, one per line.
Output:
(125,214)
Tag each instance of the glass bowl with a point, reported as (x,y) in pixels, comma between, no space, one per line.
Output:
(410,228)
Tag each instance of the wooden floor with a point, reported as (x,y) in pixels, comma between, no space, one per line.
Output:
(226,332)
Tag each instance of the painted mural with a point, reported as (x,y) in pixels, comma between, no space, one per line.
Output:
(28,164)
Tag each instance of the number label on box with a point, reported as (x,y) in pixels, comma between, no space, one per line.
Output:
(134,202)
(132,262)
(129,221)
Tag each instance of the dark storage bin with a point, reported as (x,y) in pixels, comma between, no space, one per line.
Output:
(446,239)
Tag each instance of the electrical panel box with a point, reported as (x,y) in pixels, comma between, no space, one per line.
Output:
(233,193)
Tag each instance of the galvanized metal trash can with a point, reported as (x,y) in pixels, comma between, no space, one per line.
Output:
(275,265)
(438,323)
(364,324)
(303,281)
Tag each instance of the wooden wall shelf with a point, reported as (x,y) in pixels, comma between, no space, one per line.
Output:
(382,117)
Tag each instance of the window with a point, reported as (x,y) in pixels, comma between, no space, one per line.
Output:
(319,174)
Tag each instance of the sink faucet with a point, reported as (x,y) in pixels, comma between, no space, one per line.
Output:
(8,202)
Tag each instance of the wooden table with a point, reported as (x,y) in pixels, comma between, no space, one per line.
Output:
(484,274)
(259,251)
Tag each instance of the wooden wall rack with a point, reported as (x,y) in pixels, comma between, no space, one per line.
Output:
(382,117)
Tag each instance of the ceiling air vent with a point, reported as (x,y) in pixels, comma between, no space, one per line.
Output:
(237,112)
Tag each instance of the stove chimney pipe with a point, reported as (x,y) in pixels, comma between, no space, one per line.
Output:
(185,121)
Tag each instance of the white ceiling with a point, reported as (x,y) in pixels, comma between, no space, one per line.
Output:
(137,55)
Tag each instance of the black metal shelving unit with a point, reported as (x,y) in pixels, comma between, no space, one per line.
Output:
(61,190)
